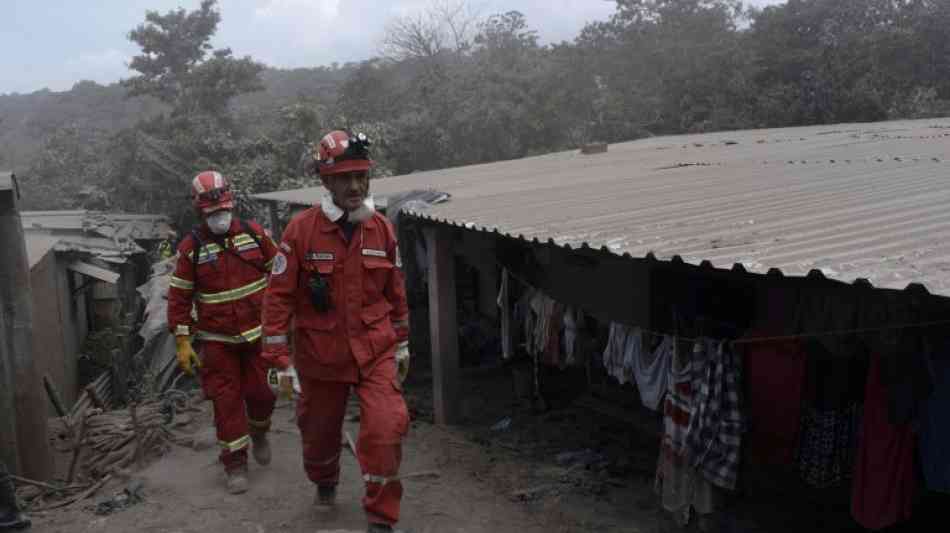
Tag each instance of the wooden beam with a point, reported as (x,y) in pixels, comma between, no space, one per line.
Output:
(443,325)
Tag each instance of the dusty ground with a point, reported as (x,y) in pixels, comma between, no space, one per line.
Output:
(514,478)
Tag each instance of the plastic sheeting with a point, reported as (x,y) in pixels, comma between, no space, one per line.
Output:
(158,353)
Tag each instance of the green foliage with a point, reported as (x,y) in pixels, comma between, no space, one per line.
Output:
(174,67)
(456,89)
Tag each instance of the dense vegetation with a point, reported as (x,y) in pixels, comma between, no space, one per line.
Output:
(451,88)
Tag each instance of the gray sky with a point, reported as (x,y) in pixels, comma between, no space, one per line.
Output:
(54,47)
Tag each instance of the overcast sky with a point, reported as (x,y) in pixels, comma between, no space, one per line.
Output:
(54,47)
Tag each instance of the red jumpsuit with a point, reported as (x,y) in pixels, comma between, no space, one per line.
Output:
(227,294)
(349,347)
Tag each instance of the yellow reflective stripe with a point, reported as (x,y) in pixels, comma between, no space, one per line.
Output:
(233,294)
(236,445)
(182,284)
(250,335)
(242,239)
(206,250)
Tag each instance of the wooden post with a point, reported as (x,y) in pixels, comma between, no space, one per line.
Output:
(30,455)
(443,325)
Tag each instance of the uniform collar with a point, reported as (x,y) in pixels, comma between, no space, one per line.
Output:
(334,213)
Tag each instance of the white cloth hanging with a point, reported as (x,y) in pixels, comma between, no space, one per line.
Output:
(652,373)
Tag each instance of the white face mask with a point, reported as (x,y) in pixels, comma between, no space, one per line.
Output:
(219,222)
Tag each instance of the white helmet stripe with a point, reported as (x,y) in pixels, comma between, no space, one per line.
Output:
(196,185)
(218,180)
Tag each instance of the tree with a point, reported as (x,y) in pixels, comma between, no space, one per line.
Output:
(174,65)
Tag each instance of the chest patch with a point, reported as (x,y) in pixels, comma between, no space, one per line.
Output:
(320,256)
(374,253)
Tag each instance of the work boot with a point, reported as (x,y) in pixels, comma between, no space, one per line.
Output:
(10,516)
(260,447)
(326,498)
(237,480)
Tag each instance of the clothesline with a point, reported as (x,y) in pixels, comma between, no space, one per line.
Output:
(777,338)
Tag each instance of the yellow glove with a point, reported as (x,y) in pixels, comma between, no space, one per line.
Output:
(402,361)
(186,354)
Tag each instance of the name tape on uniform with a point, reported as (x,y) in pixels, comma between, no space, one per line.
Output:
(374,253)
(320,256)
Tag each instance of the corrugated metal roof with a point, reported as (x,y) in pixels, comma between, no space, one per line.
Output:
(107,236)
(854,201)
(37,246)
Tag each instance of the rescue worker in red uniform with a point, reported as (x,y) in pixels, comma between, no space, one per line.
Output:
(222,269)
(337,278)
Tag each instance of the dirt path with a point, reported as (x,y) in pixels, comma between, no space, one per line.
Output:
(184,493)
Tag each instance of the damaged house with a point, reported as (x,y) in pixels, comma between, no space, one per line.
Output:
(84,270)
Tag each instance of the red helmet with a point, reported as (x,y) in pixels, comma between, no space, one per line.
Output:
(211,192)
(338,152)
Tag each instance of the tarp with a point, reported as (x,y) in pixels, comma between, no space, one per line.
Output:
(158,353)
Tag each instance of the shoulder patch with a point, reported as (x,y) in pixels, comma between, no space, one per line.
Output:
(280,264)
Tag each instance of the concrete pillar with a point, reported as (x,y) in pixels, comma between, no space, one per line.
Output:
(443,325)
(18,373)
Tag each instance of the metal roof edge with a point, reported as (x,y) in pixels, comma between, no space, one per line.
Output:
(774,273)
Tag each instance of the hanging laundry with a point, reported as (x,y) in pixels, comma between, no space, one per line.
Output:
(681,487)
(529,319)
(833,391)
(714,436)
(507,344)
(934,425)
(572,317)
(623,347)
(552,348)
(652,372)
(827,445)
(884,482)
(543,307)
(775,375)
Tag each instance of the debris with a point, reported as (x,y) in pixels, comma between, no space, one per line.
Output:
(77,450)
(57,401)
(418,475)
(76,499)
(586,457)
(532,493)
(502,425)
(132,494)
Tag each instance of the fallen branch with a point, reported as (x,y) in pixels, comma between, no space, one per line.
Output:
(77,450)
(418,475)
(57,402)
(40,484)
(76,499)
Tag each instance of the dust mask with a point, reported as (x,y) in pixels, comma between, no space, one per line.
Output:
(219,222)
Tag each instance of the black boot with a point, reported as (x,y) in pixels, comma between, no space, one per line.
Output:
(10,516)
